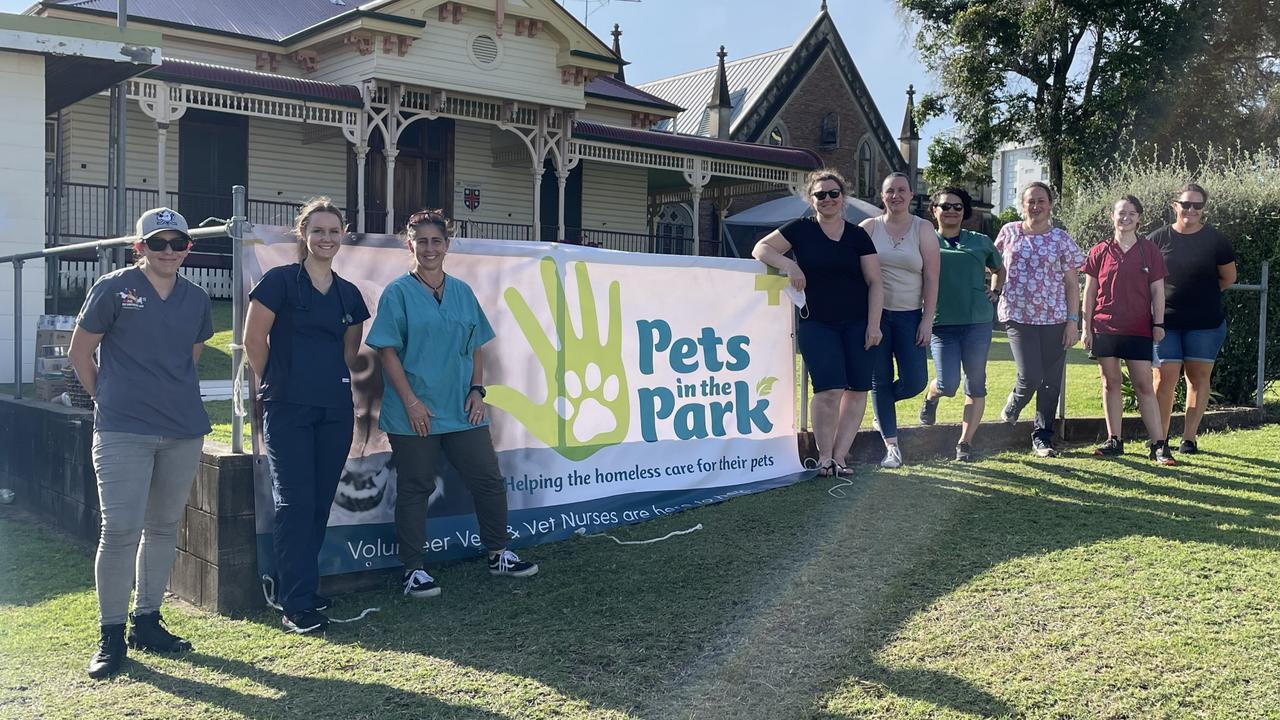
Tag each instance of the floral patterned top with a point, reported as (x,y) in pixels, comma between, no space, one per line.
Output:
(1035,265)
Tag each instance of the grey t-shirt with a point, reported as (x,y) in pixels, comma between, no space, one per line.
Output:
(147,382)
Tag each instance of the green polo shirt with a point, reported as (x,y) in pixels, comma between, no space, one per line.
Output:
(962,282)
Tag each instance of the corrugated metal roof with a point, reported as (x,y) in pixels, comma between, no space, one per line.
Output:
(768,154)
(611,88)
(264,19)
(692,90)
(229,78)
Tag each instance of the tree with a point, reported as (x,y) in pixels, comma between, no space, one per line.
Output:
(1067,74)
(1226,87)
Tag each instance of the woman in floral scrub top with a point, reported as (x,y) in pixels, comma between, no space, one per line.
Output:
(1040,307)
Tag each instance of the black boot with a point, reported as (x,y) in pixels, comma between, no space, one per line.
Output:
(111,652)
(148,633)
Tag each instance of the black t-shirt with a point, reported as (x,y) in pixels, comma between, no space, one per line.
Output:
(834,287)
(1193,300)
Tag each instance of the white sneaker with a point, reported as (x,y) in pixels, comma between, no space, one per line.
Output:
(892,457)
(418,584)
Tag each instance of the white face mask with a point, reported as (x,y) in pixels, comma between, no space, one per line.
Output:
(797,298)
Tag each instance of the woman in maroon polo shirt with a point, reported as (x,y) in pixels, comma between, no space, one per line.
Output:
(1123,318)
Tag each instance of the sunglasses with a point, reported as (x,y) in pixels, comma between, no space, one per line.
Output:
(158,244)
(949,206)
(833,194)
(1190,204)
(425,216)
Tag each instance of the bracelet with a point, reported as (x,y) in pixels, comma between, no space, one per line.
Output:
(1073,318)
(1158,325)
(413,404)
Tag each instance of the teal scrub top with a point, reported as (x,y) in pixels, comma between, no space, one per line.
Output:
(436,343)
(962,280)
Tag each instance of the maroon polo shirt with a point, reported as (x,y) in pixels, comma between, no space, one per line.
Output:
(1124,279)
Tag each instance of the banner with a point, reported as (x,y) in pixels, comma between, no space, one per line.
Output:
(622,387)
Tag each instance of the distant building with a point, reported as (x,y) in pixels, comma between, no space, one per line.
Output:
(808,95)
(1015,165)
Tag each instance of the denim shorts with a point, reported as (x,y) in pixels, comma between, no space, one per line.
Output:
(835,356)
(1197,345)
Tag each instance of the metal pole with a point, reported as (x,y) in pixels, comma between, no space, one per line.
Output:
(120,108)
(239,206)
(17,329)
(1262,334)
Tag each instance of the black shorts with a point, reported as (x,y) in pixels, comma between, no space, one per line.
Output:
(1125,347)
(834,354)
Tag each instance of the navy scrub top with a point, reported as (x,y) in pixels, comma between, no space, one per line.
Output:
(305,365)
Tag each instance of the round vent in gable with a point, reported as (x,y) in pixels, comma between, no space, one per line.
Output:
(486,52)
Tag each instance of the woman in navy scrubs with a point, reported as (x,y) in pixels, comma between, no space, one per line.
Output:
(302,335)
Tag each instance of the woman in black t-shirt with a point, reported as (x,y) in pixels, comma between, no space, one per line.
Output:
(1201,265)
(837,270)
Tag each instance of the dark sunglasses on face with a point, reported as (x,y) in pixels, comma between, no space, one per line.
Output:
(158,244)
(949,206)
(1190,204)
(833,194)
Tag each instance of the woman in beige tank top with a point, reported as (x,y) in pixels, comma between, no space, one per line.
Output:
(909,257)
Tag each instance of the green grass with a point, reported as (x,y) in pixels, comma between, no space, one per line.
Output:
(215,360)
(1013,587)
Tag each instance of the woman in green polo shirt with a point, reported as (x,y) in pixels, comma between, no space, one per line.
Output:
(962,323)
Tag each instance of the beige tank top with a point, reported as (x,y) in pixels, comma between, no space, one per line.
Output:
(901,264)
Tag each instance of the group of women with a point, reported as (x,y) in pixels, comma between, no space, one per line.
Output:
(302,335)
(878,293)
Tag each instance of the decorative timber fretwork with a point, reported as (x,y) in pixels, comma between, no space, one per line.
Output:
(695,167)
(528,27)
(268,61)
(452,12)
(165,102)
(361,41)
(308,60)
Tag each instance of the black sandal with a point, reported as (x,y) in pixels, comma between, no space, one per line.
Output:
(828,468)
(843,470)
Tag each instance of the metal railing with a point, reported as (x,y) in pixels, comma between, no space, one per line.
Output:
(84,208)
(233,229)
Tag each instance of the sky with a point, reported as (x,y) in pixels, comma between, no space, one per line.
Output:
(668,37)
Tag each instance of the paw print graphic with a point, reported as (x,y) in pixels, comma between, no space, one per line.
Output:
(587,406)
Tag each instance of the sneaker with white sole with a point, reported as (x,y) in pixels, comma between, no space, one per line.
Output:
(304,621)
(892,457)
(964,452)
(509,564)
(1009,414)
(418,584)
(1043,447)
(929,411)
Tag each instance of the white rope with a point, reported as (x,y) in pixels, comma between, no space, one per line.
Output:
(583,532)
(269,593)
(835,491)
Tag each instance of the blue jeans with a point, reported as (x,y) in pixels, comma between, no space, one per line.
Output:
(899,343)
(307,449)
(956,346)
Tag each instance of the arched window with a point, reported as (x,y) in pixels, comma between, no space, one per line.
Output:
(830,136)
(777,135)
(866,170)
(674,226)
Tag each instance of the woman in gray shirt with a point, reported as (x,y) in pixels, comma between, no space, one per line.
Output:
(149,325)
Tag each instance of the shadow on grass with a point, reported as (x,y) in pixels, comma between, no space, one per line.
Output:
(298,695)
(785,599)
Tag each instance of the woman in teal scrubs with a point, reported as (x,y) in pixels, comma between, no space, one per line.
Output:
(428,333)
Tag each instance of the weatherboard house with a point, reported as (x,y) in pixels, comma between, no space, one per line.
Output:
(505,113)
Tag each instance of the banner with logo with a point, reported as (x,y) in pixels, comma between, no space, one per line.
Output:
(622,387)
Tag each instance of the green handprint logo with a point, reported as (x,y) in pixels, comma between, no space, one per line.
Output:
(588,406)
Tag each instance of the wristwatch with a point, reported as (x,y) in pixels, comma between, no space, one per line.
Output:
(479,389)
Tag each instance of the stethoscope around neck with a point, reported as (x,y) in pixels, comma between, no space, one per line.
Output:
(303,303)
